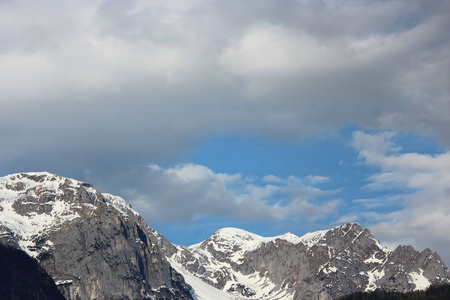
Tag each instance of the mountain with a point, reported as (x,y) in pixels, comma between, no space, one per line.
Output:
(92,244)
(321,265)
(95,246)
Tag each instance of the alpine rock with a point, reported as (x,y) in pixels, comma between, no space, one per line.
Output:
(95,246)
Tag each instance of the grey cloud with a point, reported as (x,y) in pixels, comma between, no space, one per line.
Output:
(106,87)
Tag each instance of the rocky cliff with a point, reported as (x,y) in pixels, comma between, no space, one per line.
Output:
(92,244)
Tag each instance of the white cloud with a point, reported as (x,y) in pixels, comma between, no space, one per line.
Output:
(271,178)
(315,179)
(189,191)
(412,170)
(387,201)
(425,217)
(273,49)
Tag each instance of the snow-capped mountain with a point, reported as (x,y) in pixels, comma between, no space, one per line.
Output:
(96,247)
(92,244)
(321,265)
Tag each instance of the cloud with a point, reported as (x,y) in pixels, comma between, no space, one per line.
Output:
(425,216)
(412,170)
(188,192)
(115,80)
(272,49)
(101,89)
(315,179)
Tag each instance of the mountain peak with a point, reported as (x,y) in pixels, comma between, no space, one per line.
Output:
(347,227)
(34,176)
(23,182)
(231,240)
(236,233)
(34,203)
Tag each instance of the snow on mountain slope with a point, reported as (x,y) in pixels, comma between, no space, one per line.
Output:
(226,248)
(324,264)
(232,242)
(36,202)
(215,260)
(202,290)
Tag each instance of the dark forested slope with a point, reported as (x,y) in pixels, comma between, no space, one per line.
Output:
(440,292)
(21,277)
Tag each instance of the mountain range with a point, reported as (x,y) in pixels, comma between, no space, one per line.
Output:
(95,246)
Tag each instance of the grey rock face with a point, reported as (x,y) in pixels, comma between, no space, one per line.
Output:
(93,245)
(322,265)
(108,257)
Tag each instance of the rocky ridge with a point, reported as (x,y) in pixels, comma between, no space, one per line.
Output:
(95,246)
(321,265)
(92,244)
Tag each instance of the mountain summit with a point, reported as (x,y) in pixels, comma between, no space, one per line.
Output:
(95,246)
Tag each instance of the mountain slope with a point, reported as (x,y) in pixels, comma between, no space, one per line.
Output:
(321,265)
(93,245)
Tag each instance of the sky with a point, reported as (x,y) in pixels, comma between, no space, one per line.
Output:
(270,116)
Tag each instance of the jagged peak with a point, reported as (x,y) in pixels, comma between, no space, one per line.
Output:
(352,226)
(346,256)
(312,238)
(347,231)
(232,236)
(356,229)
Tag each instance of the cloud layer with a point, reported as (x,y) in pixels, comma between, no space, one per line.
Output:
(112,92)
(112,83)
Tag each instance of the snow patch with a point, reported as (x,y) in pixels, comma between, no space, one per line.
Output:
(201,290)
(62,282)
(374,276)
(312,238)
(420,281)
(373,260)
(119,203)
